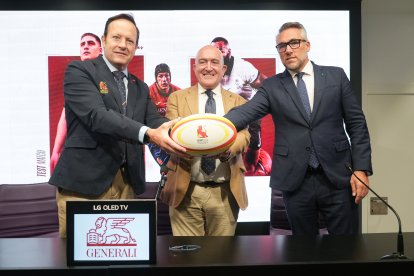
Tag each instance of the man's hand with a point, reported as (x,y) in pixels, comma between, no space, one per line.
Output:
(359,190)
(160,136)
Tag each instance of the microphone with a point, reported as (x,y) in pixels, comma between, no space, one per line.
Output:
(400,241)
(163,171)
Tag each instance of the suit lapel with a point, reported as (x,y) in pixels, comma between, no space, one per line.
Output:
(287,82)
(228,100)
(320,79)
(106,76)
(133,93)
(191,99)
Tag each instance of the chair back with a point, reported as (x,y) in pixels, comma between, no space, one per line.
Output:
(28,210)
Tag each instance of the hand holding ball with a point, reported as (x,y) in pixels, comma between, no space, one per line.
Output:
(204,134)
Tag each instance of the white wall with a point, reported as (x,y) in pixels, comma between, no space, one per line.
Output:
(388,102)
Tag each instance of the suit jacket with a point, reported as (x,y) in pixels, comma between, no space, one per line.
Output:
(99,137)
(183,103)
(335,107)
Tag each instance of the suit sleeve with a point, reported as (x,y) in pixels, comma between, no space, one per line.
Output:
(256,108)
(356,127)
(153,119)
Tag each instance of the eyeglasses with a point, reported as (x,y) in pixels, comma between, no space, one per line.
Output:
(293,43)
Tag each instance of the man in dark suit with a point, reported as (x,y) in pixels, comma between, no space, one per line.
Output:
(108,121)
(316,135)
(206,203)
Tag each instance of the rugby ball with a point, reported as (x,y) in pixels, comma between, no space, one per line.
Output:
(204,134)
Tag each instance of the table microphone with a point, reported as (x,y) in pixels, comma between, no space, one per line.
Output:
(400,241)
(163,171)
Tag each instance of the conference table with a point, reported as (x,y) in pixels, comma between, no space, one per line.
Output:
(222,255)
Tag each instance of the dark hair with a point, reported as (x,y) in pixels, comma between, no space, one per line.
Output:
(220,38)
(162,68)
(125,16)
(94,36)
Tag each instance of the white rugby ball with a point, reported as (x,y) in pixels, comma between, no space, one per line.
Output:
(204,134)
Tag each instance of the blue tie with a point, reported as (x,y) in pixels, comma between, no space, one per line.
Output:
(208,165)
(303,94)
(119,78)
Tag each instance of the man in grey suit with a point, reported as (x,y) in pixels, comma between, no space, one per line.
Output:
(108,121)
(320,128)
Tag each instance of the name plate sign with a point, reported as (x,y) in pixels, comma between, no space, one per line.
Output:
(111,232)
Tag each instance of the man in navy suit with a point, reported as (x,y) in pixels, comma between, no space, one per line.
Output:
(103,157)
(313,143)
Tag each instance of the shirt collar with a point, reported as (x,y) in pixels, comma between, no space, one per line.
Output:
(216,90)
(113,68)
(308,70)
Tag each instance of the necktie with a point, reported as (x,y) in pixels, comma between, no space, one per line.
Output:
(303,94)
(211,103)
(119,78)
(208,165)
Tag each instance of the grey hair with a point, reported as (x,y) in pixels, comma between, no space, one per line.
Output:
(294,25)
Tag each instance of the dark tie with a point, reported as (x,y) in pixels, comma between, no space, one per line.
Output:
(303,94)
(211,103)
(119,78)
(208,165)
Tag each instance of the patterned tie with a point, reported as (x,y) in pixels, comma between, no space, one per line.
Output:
(119,78)
(211,103)
(208,165)
(303,94)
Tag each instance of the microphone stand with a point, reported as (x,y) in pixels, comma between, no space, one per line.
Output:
(163,180)
(400,241)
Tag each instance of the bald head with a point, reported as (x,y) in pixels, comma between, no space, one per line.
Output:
(209,67)
(211,49)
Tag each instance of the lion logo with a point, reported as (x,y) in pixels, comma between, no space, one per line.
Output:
(201,132)
(111,231)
